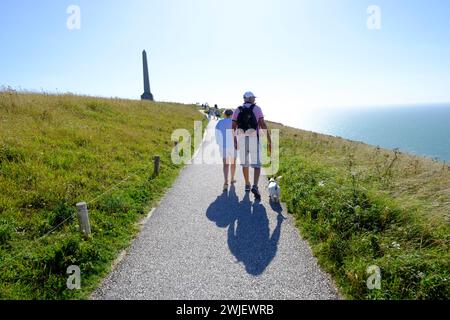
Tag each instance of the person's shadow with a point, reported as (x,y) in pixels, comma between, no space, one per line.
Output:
(249,236)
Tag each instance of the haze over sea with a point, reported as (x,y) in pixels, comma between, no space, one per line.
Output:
(417,129)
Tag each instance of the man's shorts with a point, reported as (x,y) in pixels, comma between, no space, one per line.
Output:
(249,151)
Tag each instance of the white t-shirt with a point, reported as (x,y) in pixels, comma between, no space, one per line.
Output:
(224,134)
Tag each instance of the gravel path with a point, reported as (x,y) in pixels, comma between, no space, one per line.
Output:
(201,243)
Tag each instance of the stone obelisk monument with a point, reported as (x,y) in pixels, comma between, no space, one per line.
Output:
(147,95)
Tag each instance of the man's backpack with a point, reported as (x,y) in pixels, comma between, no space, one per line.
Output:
(246,119)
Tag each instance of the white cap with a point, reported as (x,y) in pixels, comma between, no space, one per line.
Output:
(249,95)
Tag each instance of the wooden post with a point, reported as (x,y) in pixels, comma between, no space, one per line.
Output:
(83,219)
(156,167)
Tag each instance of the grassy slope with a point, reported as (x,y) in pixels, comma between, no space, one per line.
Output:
(356,204)
(359,206)
(58,150)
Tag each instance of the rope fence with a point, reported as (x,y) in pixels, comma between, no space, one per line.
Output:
(82,210)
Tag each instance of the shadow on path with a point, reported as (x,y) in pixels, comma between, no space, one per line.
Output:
(249,236)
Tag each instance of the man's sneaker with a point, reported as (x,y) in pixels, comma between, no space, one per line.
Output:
(255,191)
(247,188)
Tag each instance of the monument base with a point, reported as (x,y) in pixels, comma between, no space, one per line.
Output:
(147,96)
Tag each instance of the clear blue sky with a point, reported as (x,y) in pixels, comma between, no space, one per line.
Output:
(291,53)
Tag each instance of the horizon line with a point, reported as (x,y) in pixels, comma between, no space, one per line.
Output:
(19,89)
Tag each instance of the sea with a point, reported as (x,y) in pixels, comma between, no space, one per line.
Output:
(422,130)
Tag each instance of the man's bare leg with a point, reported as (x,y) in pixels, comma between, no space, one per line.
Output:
(245,171)
(256,175)
(255,190)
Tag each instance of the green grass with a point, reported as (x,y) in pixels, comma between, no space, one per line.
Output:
(359,206)
(57,150)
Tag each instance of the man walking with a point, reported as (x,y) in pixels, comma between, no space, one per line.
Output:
(248,121)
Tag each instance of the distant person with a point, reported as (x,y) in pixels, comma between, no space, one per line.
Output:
(224,138)
(211,113)
(208,111)
(248,120)
(216,111)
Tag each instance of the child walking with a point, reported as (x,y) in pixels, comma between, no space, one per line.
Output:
(224,138)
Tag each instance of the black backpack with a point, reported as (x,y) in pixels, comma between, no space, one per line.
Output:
(246,119)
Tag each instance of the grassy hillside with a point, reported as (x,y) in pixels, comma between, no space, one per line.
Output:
(360,205)
(357,205)
(58,150)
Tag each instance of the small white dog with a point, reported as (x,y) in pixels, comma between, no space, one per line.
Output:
(274,190)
